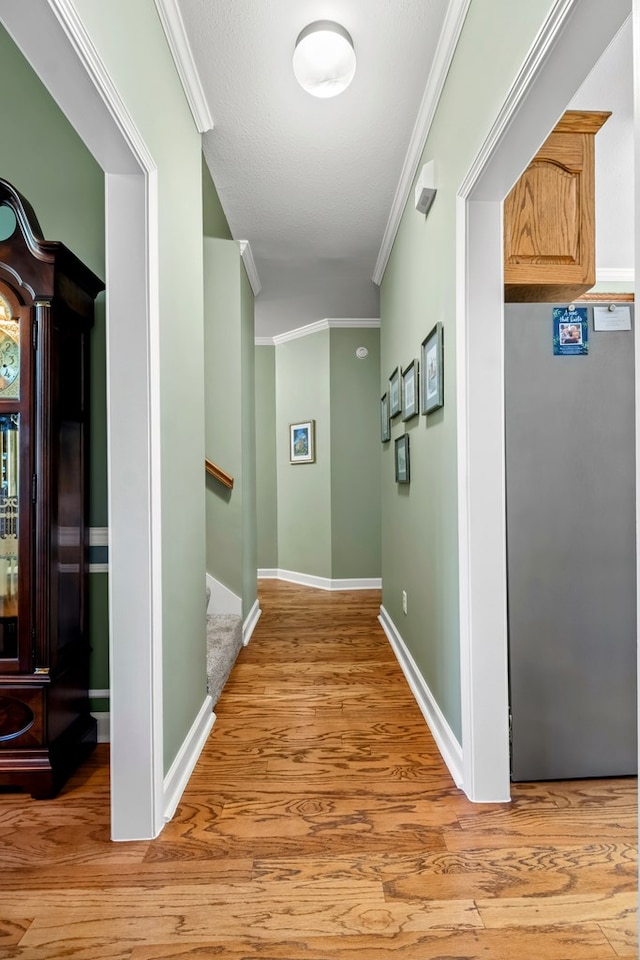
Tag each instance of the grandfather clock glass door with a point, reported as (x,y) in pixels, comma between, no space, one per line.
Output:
(15,492)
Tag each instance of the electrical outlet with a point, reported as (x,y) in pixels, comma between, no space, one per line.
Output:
(404,601)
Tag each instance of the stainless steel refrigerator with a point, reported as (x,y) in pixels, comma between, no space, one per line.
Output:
(570,481)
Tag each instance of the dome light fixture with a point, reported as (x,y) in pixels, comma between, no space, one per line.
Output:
(324,61)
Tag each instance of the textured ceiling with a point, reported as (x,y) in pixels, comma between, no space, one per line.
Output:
(310,182)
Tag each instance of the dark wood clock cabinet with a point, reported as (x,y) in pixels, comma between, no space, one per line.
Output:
(46,313)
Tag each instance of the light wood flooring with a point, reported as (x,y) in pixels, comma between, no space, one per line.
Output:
(321,824)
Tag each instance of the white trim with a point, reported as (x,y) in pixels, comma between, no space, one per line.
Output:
(447,42)
(264,342)
(299,332)
(222,599)
(250,266)
(99,536)
(187,757)
(616,275)
(536,100)
(445,739)
(354,323)
(98,568)
(249,624)
(176,34)
(321,583)
(99,694)
(103,718)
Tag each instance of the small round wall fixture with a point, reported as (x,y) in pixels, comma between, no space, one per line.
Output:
(362,353)
(324,61)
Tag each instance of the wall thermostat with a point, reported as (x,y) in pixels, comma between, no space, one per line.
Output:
(361,353)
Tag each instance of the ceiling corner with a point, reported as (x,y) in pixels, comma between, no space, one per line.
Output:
(176,35)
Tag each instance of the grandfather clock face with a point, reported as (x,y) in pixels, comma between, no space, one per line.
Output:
(9,353)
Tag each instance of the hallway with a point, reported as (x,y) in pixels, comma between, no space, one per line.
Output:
(321,824)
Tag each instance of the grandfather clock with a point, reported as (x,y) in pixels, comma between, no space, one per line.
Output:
(46,313)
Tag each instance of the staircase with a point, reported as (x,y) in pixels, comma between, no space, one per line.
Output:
(224,643)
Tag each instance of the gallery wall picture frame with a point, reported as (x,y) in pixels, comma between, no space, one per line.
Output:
(410,390)
(403,472)
(395,394)
(385,423)
(432,362)
(302,442)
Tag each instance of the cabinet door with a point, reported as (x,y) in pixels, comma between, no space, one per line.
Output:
(549,216)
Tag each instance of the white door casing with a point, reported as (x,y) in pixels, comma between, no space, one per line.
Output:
(572,39)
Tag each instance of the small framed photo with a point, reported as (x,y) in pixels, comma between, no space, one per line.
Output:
(395,398)
(385,425)
(402,459)
(302,442)
(432,359)
(410,395)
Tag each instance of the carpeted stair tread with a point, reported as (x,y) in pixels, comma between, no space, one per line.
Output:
(224,643)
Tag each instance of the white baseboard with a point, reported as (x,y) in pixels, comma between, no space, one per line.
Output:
(249,624)
(322,583)
(187,757)
(442,733)
(104,725)
(222,599)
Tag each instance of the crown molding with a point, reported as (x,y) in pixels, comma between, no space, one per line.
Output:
(616,275)
(544,41)
(300,332)
(353,323)
(250,266)
(451,30)
(264,342)
(173,26)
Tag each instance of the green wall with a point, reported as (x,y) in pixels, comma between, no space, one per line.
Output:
(129,39)
(266,470)
(230,431)
(214,221)
(304,489)
(355,454)
(223,410)
(419,522)
(321,519)
(248,426)
(49,164)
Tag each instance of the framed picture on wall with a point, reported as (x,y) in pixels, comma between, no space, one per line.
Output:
(385,425)
(410,395)
(402,459)
(432,360)
(395,398)
(302,442)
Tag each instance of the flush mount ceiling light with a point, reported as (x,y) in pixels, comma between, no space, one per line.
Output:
(324,61)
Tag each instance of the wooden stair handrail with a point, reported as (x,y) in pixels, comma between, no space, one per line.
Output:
(215,471)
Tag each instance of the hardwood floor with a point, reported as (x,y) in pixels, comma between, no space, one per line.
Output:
(321,824)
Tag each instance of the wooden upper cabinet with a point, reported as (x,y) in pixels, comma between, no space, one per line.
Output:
(549,216)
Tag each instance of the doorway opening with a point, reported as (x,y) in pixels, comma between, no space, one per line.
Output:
(538,98)
(53,40)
